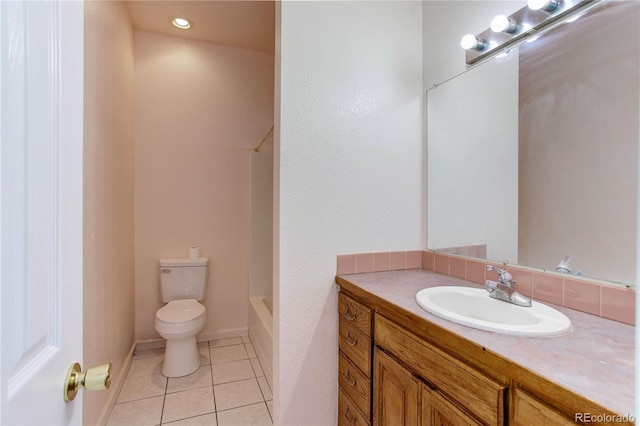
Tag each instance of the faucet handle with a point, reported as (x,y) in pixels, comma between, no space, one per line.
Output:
(504,276)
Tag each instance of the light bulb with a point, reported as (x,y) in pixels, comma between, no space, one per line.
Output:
(546,5)
(182,23)
(469,41)
(503,24)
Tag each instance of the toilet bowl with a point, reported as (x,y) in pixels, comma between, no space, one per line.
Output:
(178,322)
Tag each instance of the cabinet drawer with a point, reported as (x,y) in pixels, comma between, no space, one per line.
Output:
(355,384)
(527,410)
(355,313)
(348,413)
(355,346)
(480,395)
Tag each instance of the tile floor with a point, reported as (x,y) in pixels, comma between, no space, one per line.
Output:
(228,389)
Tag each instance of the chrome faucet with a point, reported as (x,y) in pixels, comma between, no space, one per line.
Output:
(504,289)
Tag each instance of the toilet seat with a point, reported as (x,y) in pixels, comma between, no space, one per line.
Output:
(180,311)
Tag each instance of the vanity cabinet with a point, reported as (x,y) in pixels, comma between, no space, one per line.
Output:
(399,367)
(451,391)
(354,362)
(528,410)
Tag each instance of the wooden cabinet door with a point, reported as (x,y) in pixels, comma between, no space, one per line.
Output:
(438,411)
(528,410)
(396,393)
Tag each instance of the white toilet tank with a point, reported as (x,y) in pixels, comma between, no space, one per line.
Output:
(183,278)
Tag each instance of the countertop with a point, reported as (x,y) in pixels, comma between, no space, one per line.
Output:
(594,360)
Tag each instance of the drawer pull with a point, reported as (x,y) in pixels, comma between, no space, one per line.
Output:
(351,420)
(348,315)
(349,380)
(350,341)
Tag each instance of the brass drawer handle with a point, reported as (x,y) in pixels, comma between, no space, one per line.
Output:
(349,316)
(351,420)
(348,378)
(350,341)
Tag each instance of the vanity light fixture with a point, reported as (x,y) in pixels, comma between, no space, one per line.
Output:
(546,5)
(509,31)
(181,23)
(504,24)
(471,42)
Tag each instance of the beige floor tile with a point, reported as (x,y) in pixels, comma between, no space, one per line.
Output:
(256,414)
(204,355)
(237,394)
(246,339)
(142,412)
(206,420)
(146,366)
(148,353)
(227,354)
(225,342)
(232,371)
(142,387)
(198,379)
(270,408)
(257,368)
(264,387)
(250,350)
(191,403)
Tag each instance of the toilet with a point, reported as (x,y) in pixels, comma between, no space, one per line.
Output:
(182,285)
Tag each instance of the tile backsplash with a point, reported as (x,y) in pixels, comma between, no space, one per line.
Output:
(607,301)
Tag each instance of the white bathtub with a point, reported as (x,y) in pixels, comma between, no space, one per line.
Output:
(261,334)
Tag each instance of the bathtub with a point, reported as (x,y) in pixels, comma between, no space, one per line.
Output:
(261,334)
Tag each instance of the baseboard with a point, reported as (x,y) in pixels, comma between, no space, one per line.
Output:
(144,345)
(117,387)
(223,334)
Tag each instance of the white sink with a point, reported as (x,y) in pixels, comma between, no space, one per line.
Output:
(474,308)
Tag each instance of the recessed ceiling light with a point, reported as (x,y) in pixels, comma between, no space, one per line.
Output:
(182,23)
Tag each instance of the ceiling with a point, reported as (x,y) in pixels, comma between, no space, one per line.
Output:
(244,24)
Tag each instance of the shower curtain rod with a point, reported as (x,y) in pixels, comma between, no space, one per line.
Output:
(264,138)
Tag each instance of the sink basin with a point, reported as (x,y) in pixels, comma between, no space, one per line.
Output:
(474,308)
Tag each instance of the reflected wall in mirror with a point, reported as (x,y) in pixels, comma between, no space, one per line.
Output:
(555,175)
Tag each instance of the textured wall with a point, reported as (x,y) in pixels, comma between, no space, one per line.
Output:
(348,175)
(200,109)
(108,193)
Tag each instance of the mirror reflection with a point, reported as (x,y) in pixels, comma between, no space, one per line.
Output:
(533,158)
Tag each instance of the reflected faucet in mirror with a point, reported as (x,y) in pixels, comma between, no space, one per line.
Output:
(564,267)
(504,289)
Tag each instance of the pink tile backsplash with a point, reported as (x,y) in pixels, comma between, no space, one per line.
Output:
(476,271)
(414,259)
(458,267)
(346,264)
(364,263)
(381,262)
(582,296)
(523,279)
(428,260)
(610,302)
(398,260)
(618,304)
(442,264)
(548,288)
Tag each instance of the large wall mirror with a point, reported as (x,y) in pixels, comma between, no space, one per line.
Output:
(533,157)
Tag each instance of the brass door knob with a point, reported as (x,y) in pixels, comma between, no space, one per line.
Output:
(96,378)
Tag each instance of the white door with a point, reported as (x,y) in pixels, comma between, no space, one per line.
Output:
(41,74)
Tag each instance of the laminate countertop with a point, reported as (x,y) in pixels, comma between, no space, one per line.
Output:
(595,360)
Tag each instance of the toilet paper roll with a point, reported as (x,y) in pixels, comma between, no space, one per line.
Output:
(194,252)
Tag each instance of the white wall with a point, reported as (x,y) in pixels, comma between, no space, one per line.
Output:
(108,195)
(200,109)
(348,175)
